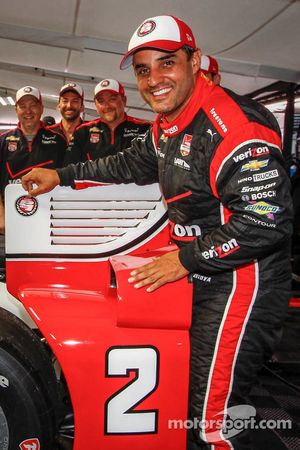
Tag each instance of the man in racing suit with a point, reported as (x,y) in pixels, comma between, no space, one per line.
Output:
(28,145)
(70,105)
(109,134)
(217,157)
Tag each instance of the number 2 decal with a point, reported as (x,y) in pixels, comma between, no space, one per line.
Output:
(120,416)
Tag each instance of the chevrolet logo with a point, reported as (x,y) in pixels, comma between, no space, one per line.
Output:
(254,165)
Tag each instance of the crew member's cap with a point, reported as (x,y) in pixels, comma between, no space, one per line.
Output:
(109,85)
(209,65)
(167,33)
(72,86)
(28,90)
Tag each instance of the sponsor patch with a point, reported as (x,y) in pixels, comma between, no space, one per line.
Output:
(146,28)
(181,163)
(185,147)
(265,175)
(263,209)
(254,165)
(252,153)
(94,138)
(26,205)
(30,444)
(12,146)
(222,250)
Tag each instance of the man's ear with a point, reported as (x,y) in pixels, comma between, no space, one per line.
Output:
(196,60)
(124,100)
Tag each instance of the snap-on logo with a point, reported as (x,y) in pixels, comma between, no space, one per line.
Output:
(222,250)
(30,444)
(146,28)
(26,205)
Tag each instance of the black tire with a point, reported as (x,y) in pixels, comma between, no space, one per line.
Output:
(30,403)
(24,410)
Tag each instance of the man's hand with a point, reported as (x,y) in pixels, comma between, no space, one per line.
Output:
(161,270)
(45,179)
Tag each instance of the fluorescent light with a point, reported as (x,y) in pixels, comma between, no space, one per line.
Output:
(2,101)
(11,101)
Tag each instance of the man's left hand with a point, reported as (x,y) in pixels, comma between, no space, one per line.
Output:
(163,269)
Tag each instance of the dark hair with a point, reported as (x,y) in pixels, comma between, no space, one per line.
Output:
(48,120)
(189,51)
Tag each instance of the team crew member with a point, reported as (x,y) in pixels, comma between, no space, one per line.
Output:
(29,145)
(217,157)
(210,67)
(70,105)
(112,132)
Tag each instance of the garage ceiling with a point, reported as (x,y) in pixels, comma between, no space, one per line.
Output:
(47,43)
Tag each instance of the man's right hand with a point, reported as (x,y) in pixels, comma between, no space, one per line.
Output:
(45,179)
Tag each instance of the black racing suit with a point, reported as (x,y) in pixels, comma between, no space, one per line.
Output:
(58,128)
(18,156)
(95,139)
(222,174)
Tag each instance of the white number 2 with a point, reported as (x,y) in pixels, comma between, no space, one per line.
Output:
(120,417)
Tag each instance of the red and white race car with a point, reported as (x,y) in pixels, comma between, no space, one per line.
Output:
(86,360)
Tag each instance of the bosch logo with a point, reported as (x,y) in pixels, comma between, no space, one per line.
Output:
(146,28)
(26,205)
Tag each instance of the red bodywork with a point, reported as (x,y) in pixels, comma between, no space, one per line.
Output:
(124,352)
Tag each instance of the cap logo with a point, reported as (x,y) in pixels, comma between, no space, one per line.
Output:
(146,28)
(71,84)
(104,83)
(27,89)
(189,37)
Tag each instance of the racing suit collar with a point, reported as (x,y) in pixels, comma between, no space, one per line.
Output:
(201,91)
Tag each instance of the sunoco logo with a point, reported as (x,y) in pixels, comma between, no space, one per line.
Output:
(263,209)
(26,205)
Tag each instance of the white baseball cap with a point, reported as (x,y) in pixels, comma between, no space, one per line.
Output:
(28,90)
(109,85)
(72,86)
(162,33)
(209,64)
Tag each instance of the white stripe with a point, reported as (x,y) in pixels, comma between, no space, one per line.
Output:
(154,143)
(97,183)
(212,367)
(251,141)
(242,335)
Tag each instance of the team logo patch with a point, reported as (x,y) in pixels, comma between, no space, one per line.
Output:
(263,209)
(12,146)
(104,83)
(94,138)
(30,444)
(146,28)
(26,206)
(254,165)
(185,147)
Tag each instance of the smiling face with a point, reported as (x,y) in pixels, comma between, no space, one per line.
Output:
(29,110)
(166,80)
(70,106)
(110,106)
